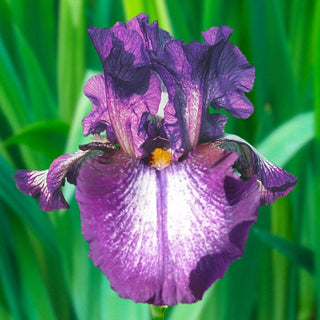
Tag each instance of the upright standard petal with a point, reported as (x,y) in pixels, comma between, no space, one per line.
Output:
(164,237)
(229,74)
(212,126)
(186,86)
(199,74)
(274,181)
(98,120)
(132,87)
(154,38)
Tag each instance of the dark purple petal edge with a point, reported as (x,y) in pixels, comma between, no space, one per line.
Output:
(274,181)
(46,185)
(196,223)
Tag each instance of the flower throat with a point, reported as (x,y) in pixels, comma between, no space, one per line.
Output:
(160,159)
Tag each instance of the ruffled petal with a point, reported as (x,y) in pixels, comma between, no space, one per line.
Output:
(132,87)
(34,183)
(274,181)
(98,120)
(212,126)
(126,115)
(164,237)
(229,74)
(197,75)
(215,35)
(60,167)
(46,185)
(154,38)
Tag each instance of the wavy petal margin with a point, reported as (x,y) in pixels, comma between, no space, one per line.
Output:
(274,181)
(229,74)
(163,237)
(197,75)
(98,119)
(132,88)
(46,185)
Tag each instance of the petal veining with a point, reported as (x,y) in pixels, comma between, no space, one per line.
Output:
(34,183)
(164,237)
(197,75)
(46,185)
(275,182)
(229,74)
(132,88)
(98,120)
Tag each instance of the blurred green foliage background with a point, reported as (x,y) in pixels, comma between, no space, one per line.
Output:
(46,57)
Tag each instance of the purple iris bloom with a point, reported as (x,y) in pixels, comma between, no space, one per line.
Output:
(166,197)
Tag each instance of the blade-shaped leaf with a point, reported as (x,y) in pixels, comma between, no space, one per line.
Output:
(284,142)
(24,206)
(48,137)
(298,254)
(41,100)
(71,55)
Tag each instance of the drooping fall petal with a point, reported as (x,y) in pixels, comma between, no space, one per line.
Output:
(274,181)
(164,237)
(46,185)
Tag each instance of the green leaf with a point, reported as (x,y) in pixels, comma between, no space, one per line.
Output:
(71,55)
(34,291)
(24,206)
(13,103)
(133,8)
(298,254)
(316,182)
(48,137)
(280,226)
(8,278)
(163,16)
(42,104)
(284,142)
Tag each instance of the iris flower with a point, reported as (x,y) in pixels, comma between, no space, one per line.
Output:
(166,197)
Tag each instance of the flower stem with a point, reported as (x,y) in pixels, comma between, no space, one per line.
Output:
(157,313)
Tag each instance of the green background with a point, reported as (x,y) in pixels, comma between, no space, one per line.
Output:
(46,57)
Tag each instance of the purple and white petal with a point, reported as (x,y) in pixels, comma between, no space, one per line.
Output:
(126,114)
(34,183)
(46,185)
(98,119)
(197,75)
(274,181)
(163,237)
(132,87)
(59,169)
